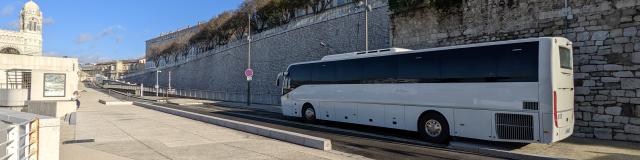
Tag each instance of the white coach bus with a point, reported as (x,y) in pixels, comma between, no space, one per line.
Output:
(513,91)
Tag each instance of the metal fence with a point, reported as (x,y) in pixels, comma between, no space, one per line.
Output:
(256,98)
(21,141)
(12,86)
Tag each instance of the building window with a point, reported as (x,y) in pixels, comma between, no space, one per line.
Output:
(54,85)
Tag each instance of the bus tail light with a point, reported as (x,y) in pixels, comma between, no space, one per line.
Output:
(555,108)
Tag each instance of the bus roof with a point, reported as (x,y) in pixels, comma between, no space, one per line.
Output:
(392,51)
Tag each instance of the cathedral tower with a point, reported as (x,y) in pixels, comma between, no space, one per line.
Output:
(31,28)
(31,18)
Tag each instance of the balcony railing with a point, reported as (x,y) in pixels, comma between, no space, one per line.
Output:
(256,98)
(21,139)
(12,86)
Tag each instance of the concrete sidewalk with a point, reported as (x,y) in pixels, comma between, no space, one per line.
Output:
(585,148)
(131,132)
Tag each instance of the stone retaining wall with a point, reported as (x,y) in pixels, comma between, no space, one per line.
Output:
(606,43)
(222,69)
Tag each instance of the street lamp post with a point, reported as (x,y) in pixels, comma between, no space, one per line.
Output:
(249,62)
(367,9)
(157,85)
(366,25)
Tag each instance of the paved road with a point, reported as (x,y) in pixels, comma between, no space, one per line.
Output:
(355,139)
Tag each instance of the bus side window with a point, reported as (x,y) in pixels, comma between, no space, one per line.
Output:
(418,68)
(300,75)
(380,69)
(348,71)
(323,73)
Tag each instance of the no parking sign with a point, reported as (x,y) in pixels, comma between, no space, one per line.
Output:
(249,74)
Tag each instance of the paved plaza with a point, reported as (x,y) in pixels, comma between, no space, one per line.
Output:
(131,132)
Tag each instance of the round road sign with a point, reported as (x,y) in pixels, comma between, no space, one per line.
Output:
(248,72)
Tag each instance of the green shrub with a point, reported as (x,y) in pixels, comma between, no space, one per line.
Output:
(398,6)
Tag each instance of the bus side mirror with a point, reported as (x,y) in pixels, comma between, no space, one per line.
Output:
(278,79)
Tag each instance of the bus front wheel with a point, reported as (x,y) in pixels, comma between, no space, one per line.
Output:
(308,113)
(434,128)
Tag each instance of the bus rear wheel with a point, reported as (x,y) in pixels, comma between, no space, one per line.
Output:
(433,127)
(308,113)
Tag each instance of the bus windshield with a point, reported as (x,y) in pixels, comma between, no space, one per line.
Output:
(565,58)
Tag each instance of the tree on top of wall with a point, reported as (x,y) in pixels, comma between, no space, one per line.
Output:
(232,25)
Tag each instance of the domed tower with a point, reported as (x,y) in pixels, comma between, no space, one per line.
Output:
(31,18)
(31,27)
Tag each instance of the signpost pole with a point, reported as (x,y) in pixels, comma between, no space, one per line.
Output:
(249,63)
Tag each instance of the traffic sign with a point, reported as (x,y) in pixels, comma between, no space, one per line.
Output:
(248,72)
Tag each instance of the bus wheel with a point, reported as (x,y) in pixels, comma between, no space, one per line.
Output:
(434,128)
(308,113)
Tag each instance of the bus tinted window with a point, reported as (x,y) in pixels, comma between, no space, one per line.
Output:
(565,58)
(348,71)
(469,64)
(323,73)
(499,63)
(518,62)
(379,69)
(300,75)
(418,68)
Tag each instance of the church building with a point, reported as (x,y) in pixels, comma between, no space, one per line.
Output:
(28,39)
(30,81)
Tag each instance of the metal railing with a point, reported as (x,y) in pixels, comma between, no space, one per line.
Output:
(12,86)
(21,141)
(256,98)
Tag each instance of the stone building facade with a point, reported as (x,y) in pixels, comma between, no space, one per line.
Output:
(340,29)
(606,40)
(28,40)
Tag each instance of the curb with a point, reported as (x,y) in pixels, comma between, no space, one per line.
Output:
(482,149)
(291,137)
(114,103)
(240,106)
(185,104)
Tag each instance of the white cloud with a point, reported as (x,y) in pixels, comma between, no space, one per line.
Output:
(93,58)
(48,21)
(7,10)
(119,39)
(85,37)
(109,31)
(14,25)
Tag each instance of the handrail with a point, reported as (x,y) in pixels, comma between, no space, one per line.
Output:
(257,98)
(18,146)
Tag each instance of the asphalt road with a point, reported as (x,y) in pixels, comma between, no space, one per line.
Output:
(371,142)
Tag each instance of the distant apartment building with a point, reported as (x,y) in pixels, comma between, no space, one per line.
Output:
(113,70)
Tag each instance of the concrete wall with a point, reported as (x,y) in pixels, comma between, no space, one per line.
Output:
(39,66)
(51,108)
(37,85)
(221,69)
(606,44)
(13,97)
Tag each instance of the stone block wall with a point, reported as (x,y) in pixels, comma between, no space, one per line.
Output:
(606,40)
(222,68)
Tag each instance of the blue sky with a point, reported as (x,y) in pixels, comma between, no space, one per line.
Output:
(98,30)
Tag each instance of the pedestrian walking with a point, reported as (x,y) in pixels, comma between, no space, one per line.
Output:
(76,97)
